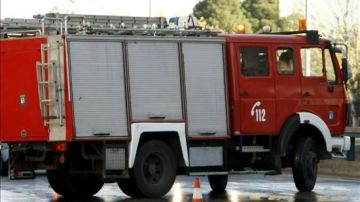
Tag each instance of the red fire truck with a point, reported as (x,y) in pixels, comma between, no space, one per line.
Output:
(95,99)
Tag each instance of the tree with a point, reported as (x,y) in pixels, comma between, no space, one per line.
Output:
(347,30)
(224,14)
(262,12)
(291,22)
(354,87)
(339,21)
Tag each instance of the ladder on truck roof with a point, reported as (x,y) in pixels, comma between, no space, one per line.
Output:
(93,25)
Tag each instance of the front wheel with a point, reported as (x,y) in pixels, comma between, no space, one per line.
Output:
(154,169)
(305,164)
(218,182)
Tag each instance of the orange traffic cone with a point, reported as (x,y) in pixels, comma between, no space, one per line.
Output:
(197,196)
(56,197)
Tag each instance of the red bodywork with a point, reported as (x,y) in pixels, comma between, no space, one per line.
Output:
(281,95)
(18,79)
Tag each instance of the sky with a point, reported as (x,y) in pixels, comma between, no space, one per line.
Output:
(28,8)
(167,8)
(324,11)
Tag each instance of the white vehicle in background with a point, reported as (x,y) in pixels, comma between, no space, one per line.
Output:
(184,22)
(4,148)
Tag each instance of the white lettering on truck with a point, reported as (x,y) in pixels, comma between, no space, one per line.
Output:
(258,112)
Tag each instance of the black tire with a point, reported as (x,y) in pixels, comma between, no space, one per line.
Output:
(86,185)
(59,182)
(305,164)
(218,183)
(154,169)
(74,185)
(129,187)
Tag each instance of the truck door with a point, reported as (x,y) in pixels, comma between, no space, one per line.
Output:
(256,91)
(287,83)
(322,94)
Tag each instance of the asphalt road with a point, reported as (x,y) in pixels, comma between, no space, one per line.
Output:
(249,188)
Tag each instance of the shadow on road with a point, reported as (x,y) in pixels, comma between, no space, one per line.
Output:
(210,196)
(228,196)
(305,196)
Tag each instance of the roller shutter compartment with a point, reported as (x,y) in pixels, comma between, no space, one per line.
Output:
(205,89)
(154,80)
(97,80)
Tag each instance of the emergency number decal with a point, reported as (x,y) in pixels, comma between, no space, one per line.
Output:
(258,112)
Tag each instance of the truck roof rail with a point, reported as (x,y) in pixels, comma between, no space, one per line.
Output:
(312,35)
(55,23)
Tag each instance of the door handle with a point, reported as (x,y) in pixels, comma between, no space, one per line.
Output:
(307,94)
(101,134)
(244,94)
(157,117)
(208,133)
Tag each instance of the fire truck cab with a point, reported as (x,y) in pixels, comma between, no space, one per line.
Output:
(93,101)
(266,95)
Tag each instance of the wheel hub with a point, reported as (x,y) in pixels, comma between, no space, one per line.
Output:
(153,168)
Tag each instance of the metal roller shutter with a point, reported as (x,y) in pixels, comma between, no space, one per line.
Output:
(97,79)
(205,89)
(154,80)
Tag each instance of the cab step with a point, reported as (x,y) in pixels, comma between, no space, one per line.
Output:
(338,154)
(254,148)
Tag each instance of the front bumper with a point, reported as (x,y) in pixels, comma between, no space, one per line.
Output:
(340,144)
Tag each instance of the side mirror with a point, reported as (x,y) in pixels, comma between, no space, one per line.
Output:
(346,70)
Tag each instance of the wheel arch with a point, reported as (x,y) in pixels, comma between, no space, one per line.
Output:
(313,132)
(173,134)
(310,119)
(287,132)
(171,138)
(304,123)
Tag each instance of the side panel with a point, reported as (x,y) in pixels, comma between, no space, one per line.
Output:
(205,89)
(20,116)
(154,80)
(98,88)
(256,89)
(206,156)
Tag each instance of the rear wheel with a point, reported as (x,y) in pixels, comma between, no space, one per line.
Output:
(305,164)
(154,169)
(74,185)
(86,185)
(129,187)
(218,182)
(59,182)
